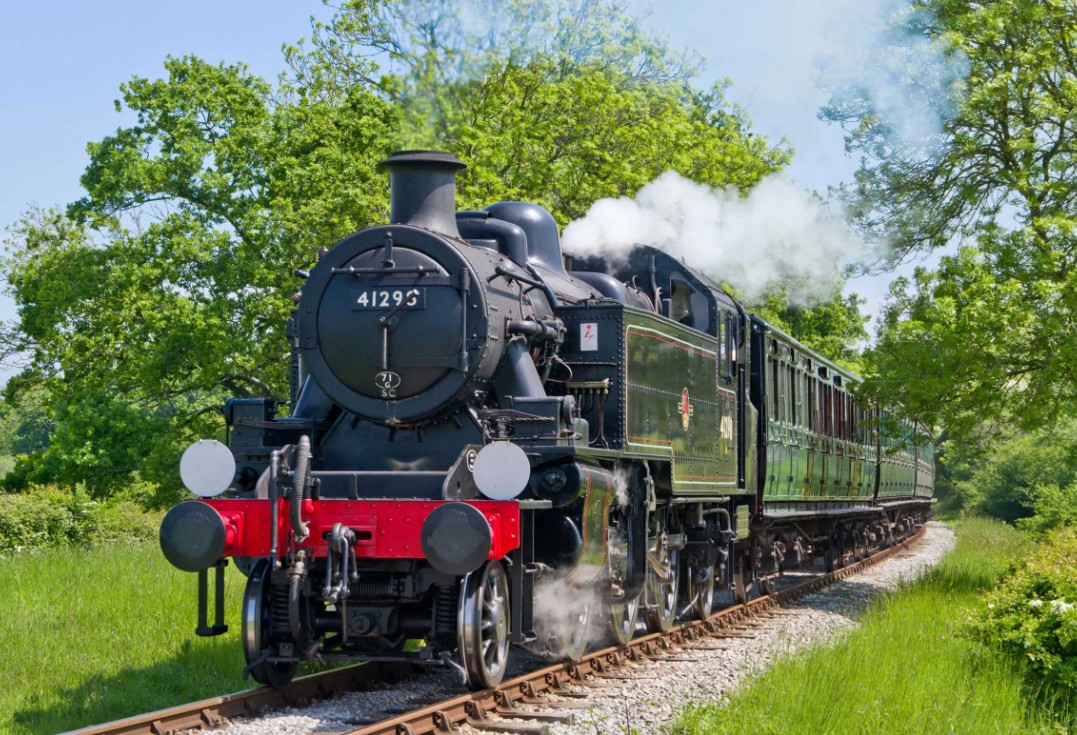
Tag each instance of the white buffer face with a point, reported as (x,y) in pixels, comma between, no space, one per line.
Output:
(207,468)
(501,470)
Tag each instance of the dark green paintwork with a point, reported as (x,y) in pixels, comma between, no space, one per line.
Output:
(670,371)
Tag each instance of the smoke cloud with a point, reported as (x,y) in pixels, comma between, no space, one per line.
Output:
(777,233)
(880,58)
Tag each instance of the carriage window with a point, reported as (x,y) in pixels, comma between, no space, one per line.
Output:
(793,394)
(772,389)
(787,391)
(828,410)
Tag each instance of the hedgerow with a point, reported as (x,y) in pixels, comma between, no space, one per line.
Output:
(1032,616)
(50,516)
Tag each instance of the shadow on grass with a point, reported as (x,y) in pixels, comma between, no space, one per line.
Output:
(197,672)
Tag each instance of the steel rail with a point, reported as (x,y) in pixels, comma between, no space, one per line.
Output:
(473,708)
(214,712)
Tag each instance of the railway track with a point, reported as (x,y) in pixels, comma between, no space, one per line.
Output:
(526,697)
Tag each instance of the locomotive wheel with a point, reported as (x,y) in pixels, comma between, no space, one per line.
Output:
(257,621)
(662,595)
(699,588)
(483,626)
(829,560)
(742,583)
(567,633)
(623,622)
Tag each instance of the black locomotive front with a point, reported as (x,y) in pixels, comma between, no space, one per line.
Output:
(390,513)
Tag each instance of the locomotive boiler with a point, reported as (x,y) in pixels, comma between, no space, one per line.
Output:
(488,443)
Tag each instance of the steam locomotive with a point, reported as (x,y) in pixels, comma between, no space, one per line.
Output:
(490,443)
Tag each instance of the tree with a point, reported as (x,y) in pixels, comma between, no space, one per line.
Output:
(556,102)
(167,288)
(832,326)
(1018,477)
(989,333)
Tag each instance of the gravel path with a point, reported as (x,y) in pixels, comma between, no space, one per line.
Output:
(663,688)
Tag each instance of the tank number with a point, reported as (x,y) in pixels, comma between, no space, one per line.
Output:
(389,298)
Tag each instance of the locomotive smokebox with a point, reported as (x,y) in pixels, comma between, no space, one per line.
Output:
(423,189)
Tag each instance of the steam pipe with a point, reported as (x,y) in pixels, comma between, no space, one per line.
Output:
(274,473)
(524,380)
(537,331)
(299,483)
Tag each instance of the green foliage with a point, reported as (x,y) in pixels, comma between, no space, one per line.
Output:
(51,517)
(1032,616)
(585,103)
(833,326)
(1052,507)
(432,46)
(1003,480)
(137,331)
(167,288)
(566,142)
(24,426)
(988,333)
(905,669)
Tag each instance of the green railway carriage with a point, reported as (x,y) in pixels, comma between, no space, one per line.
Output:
(820,442)
(824,449)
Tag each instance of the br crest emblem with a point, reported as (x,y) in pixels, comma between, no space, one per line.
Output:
(685,409)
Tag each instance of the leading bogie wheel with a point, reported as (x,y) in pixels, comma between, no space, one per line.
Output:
(258,603)
(483,626)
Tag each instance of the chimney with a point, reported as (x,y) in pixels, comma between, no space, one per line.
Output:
(423,189)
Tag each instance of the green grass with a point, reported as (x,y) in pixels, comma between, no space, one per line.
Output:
(906,669)
(92,635)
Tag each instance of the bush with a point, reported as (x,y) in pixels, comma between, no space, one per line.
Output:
(1033,617)
(1004,484)
(50,516)
(1052,507)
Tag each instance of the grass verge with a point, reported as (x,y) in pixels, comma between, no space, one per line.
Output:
(907,669)
(96,634)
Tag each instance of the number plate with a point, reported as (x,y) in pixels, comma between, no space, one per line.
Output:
(388,298)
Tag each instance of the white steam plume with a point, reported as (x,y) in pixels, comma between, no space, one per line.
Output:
(563,612)
(778,233)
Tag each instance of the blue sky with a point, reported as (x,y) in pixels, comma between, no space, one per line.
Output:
(63,63)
